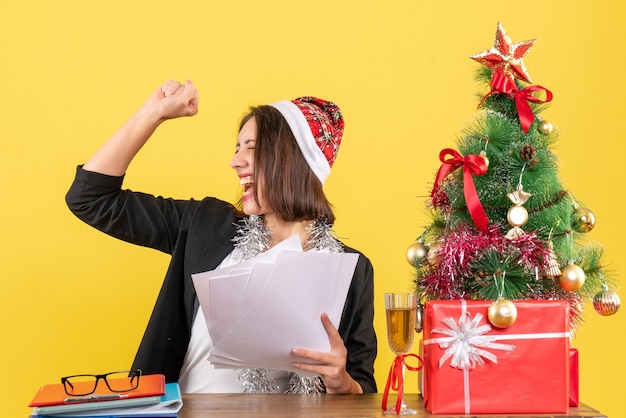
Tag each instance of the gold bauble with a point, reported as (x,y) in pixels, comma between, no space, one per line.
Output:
(572,277)
(517,216)
(483,154)
(544,127)
(583,220)
(433,255)
(606,302)
(502,313)
(419,318)
(416,253)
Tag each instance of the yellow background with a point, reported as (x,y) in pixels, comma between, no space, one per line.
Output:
(73,300)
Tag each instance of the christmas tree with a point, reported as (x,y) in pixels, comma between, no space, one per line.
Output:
(503,226)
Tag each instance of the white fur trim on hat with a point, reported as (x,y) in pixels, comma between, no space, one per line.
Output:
(304,137)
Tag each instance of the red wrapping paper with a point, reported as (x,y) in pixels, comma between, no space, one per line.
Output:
(573,377)
(533,377)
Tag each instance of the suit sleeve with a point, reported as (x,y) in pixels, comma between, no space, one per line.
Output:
(138,218)
(357,326)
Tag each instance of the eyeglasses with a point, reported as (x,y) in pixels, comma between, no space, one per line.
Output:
(86,384)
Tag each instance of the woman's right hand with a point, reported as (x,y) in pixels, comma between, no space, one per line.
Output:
(174,100)
(171,100)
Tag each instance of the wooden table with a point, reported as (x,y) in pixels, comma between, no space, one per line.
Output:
(335,406)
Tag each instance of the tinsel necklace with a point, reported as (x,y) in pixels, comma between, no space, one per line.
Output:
(253,238)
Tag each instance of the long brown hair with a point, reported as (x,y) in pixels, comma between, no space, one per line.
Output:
(290,187)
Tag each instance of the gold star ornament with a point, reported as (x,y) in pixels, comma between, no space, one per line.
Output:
(505,57)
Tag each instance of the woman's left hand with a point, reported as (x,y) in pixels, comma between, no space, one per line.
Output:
(331,365)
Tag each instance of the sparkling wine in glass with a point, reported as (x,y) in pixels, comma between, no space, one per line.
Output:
(400,309)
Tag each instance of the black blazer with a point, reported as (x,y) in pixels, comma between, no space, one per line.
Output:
(198,235)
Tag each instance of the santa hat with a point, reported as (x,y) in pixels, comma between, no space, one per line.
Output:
(317,126)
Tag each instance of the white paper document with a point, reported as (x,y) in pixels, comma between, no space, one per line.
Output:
(258,310)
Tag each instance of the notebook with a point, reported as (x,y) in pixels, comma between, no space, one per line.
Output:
(96,406)
(168,407)
(54,394)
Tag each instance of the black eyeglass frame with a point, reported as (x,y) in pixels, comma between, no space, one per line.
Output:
(133,374)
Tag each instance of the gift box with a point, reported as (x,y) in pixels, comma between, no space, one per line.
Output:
(470,366)
(573,376)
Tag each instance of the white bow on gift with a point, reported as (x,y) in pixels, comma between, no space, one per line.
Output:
(466,341)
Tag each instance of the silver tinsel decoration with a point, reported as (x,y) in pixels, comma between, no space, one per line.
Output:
(253,238)
(304,384)
(321,236)
(257,381)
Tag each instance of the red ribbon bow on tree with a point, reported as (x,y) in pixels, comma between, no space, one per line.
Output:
(472,165)
(395,380)
(500,83)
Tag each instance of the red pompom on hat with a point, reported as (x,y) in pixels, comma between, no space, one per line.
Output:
(317,126)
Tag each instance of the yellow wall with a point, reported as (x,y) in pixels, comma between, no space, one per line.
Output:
(74,300)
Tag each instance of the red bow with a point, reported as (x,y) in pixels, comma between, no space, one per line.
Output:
(472,165)
(500,83)
(395,380)
(522,97)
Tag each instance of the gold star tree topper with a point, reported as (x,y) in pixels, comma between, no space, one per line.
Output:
(506,57)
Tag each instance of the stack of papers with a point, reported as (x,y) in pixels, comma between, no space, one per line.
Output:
(258,310)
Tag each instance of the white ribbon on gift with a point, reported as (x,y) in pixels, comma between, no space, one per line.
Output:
(466,340)
(464,346)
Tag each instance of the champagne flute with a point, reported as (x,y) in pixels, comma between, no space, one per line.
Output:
(401,310)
